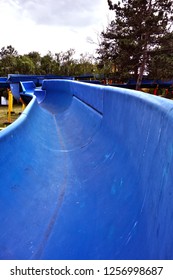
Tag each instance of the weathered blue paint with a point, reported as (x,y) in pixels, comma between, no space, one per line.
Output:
(87,174)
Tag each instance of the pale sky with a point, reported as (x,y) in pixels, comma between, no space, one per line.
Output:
(54,25)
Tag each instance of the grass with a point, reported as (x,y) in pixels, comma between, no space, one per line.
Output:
(4,121)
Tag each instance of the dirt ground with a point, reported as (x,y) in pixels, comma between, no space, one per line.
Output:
(5,119)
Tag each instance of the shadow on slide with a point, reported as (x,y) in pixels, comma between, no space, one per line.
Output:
(86,172)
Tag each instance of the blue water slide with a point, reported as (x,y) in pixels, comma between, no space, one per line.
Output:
(27,91)
(86,172)
(4,83)
(15,81)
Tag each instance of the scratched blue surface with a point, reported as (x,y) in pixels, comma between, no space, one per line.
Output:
(86,173)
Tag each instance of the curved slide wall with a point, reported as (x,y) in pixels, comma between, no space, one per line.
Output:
(87,174)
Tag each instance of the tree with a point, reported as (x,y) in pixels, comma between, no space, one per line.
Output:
(8,60)
(84,65)
(47,63)
(36,59)
(137,29)
(160,63)
(62,63)
(8,51)
(25,65)
(67,62)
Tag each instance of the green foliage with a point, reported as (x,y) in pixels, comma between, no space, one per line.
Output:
(36,59)
(160,63)
(137,29)
(25,65)
(62,63)
(8,60)
(47,63)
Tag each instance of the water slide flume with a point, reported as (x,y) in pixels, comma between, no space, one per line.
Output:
(86,172)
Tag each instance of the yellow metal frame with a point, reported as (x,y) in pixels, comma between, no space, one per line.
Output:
(23,104)
(10,104)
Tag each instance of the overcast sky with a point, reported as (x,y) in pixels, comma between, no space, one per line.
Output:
(54,25)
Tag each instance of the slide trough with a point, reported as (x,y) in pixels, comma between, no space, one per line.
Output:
(86,172)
